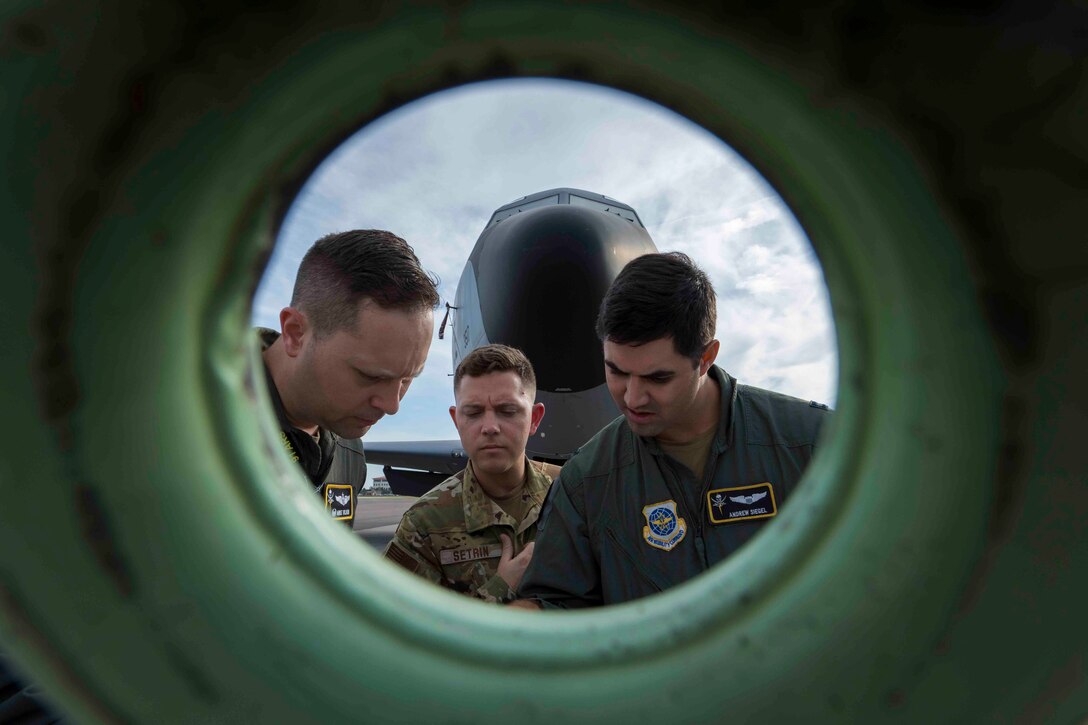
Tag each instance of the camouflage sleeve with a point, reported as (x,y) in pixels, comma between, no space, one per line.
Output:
(411,550)
(495,590)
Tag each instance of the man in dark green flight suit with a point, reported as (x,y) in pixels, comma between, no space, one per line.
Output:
(354,337)
(694,467)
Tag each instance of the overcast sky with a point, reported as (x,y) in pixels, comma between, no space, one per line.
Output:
(434,171)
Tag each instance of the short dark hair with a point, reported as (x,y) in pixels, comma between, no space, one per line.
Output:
(660,295)
(341,269)
(495,359)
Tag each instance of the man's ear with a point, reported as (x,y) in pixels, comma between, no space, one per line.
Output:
(294,326)
(709,356)
(453,413)
(537,416)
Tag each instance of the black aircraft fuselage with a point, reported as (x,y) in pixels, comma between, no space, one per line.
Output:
(534,281)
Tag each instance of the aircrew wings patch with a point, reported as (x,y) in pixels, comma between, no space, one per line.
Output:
(339,502)
(741,503)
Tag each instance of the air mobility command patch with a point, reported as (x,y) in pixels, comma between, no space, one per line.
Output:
(339,502)
(743,503)
(664,529)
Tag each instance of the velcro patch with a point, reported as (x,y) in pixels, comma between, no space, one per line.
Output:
(339,501)
(400,556)
(664,528)
(469,553)
(742,503)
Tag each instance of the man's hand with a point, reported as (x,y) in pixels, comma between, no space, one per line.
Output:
(511,568)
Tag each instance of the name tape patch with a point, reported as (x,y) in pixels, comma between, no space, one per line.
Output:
(339,502)
(470,553)
(742,503)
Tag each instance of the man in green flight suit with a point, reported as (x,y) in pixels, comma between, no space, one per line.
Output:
(474,532)
(354,337)
(691,470)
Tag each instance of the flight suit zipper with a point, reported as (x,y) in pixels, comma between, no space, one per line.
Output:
(708,479)
(635,566)
(674,481)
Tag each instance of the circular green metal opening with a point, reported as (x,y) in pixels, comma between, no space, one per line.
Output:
(879,237)
(217,590)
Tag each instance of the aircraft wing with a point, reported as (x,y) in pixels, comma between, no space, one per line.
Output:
(446,457)
(430,463)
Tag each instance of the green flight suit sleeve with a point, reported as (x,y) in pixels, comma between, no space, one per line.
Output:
(564,573)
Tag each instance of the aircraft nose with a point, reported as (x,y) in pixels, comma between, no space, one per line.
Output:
(573,249)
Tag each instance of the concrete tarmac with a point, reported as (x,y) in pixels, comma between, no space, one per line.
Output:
(376,517)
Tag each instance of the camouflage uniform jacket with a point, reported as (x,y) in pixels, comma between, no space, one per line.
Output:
(451,535)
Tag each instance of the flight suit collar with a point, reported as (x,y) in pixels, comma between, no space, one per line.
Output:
(727,424)
(481,512)
(314,457)
(267,337)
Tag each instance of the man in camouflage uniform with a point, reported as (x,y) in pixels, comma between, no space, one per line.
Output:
(474,532)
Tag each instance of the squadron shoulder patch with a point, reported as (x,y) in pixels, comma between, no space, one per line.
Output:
(339,502)
(664,529)
(742,503)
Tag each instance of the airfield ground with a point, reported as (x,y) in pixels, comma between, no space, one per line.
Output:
(376,517)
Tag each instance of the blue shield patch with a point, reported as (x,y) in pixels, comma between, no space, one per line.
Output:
(664,529)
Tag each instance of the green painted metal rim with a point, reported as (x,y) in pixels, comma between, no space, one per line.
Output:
(206,579)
